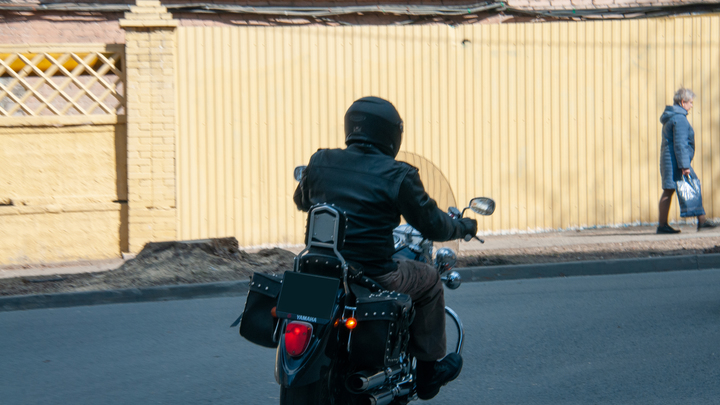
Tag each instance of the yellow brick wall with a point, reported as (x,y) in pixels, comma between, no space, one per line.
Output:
(61,193)
(150,64)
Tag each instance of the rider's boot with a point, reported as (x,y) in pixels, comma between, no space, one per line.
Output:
(431,375)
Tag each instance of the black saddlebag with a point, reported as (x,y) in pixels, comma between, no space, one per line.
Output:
(257,324)
(382,332)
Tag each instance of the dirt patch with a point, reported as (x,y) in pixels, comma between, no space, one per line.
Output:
(164,263)
(173,263)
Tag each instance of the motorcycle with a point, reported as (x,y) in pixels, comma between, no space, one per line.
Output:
(339,337)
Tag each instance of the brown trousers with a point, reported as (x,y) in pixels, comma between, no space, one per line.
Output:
(421,282)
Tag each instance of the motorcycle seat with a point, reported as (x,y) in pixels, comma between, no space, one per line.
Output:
(320,263)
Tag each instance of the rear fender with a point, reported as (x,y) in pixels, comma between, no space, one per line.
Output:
(315,363)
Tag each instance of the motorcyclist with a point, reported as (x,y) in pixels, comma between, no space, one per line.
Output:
(374,190)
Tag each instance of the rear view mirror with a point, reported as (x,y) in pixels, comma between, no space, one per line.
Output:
(297,174)
(482,205)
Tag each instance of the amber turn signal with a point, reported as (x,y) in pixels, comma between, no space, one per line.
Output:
(273,312)
(351,323)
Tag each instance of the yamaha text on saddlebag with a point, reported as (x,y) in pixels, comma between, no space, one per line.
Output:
(340,338)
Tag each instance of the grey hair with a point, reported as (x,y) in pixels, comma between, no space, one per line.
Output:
(683,94)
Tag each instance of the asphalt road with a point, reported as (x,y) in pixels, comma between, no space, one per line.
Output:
(649,338)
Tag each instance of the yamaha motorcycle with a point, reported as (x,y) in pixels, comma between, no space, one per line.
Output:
(340,338)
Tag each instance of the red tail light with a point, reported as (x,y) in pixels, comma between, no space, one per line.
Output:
(297,337)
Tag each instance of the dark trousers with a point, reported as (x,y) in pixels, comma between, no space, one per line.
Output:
(422,283)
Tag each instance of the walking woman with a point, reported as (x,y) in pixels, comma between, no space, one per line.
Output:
(676,154)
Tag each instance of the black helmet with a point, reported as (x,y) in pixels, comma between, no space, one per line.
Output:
(375,121)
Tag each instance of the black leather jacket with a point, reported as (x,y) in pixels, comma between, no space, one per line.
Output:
(374,190)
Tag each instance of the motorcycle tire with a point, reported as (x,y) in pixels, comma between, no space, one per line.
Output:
(316,393)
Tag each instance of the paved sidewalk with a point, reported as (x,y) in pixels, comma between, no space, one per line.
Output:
(51,269)
(594,237)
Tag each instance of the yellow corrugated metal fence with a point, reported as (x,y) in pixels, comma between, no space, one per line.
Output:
(556,121)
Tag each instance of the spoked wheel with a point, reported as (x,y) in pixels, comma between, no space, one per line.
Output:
(454,332)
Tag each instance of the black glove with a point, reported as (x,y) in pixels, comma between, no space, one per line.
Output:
(467,227)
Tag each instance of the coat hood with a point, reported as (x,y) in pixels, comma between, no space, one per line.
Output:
(671,111)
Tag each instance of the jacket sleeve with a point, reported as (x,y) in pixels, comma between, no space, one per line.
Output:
(422,212)
(681,133)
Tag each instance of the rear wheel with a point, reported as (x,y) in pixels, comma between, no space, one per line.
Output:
(316,393)
(326,391)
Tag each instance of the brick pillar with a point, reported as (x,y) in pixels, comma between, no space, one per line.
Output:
(150,45)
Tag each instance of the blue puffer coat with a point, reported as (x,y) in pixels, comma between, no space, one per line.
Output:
(678,145)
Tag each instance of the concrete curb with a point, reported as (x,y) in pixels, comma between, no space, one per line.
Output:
(161,293)
(591,268)
(468,274)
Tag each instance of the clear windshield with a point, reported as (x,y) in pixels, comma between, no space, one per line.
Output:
(436,185)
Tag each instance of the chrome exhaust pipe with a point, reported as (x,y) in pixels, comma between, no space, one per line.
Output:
(364,380)
(367,380)
(403,388)
(387,395)
(383,397)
